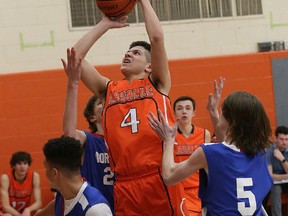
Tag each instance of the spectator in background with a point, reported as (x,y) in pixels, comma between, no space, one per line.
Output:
(95,166)
(188,138)
(74,197)
(18,186)
(277,157)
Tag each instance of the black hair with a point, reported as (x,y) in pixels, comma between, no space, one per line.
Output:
(184,98)
(64,153)
(281,130)
(89,112)
(146,46)
(20,156)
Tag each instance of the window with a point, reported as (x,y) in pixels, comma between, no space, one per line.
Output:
(248,7)
(86,13)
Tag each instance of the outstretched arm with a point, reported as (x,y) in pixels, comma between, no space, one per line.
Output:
(37,196)
(159,61)
(90,76)
(212,106)
(172,172)
(73,71)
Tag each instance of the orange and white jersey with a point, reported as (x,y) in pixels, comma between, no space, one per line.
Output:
(184,147)
(20,193)
(133,146)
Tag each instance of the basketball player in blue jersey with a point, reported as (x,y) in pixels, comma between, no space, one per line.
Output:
(95,167)
(234,177)
(74,197)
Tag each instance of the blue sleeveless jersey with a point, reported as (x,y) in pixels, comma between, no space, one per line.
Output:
(89,197)
(236,183)
(96,168)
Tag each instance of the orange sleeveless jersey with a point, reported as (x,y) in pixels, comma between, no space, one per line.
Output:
(136,151)
(185,147)
(133,146)
(20,194)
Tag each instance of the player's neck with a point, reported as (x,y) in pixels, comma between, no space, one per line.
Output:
(186,129)
(100,129)
(19,178)
(71,187)
(132,77)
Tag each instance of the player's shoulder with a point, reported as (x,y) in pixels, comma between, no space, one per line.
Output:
(99,209)
(5,177)
(35,174)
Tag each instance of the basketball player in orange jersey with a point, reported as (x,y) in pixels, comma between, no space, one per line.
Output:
(18,186)
(135,150)
(188,138)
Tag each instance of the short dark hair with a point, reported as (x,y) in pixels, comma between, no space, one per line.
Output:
(89,112)
(64,153)
(146,46)
(20,156)
(249,126)
(184,98)
(281,130)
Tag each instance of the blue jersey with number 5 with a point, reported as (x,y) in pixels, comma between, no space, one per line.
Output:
(96,168)
(236,183)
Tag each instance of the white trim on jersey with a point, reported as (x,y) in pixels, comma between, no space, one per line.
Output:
(231,146)
(79,198)
(264,211)
(181,206)
(165,108)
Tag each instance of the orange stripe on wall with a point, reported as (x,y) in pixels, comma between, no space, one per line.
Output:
(32,103)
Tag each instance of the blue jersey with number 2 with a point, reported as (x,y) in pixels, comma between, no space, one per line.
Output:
(96,168)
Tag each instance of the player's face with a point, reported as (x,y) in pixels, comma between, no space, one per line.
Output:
(134,61)
(21,168)
(49,173)
(282,141)
(184,110)
(98,108)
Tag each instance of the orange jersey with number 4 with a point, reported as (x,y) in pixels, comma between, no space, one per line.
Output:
(133,146)
(136,151)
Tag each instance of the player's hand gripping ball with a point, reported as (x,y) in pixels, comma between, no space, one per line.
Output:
(116,8)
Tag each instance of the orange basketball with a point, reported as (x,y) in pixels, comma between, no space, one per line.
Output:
(116,8)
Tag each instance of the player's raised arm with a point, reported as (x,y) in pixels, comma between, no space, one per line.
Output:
(159,61)
(213,106)
(72,69)
(90,76)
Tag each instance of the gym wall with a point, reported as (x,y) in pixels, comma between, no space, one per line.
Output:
(32,103)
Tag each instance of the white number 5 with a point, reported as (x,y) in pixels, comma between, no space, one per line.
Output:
(241,193)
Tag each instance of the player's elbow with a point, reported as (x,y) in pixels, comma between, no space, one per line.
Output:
(6,207)
(167,181)
(39,204)
(167,177)
(68,132)
(157,38)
